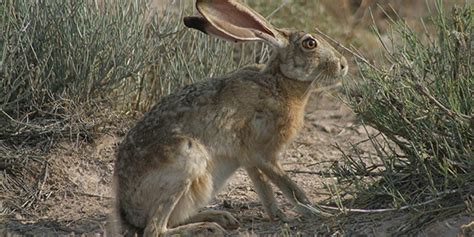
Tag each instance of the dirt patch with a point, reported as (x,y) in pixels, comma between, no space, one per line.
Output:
(76,185)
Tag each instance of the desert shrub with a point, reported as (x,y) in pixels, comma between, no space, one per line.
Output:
(422,104)
(61,58)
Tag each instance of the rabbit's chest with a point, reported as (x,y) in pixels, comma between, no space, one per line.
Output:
(277,127)
(290,124)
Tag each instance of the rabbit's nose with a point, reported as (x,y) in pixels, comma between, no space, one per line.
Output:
(344,66)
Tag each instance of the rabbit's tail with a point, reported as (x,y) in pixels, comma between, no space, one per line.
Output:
(118,224)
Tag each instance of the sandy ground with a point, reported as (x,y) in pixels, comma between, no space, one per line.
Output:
(75,188)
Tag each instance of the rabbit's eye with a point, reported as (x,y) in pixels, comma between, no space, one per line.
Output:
(310,43)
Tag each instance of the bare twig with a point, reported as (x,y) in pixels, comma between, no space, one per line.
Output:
(424,91)
(314,210)
(19,122)
(356,210)
(43,180)
(284,3)
(93,195)
(328,174)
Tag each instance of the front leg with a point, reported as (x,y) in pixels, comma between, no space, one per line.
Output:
(265,193)
(274,171)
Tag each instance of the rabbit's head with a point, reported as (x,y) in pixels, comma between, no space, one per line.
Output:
(297,55)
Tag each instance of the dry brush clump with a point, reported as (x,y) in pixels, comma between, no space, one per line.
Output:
(422,104)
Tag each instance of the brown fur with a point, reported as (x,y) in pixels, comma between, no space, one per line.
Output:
(187,146)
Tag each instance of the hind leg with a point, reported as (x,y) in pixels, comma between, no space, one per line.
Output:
(158,223)
(175,190)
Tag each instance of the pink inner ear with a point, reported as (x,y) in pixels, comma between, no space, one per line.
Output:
(233,18)
(233,14)
(214,31)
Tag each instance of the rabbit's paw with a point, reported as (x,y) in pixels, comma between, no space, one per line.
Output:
(276,214)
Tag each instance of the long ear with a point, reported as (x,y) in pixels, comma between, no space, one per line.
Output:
(231,20)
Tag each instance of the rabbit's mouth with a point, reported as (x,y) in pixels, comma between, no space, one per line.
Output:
(331,71)
(335,68)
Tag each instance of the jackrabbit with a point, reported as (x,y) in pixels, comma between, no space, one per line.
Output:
(182,152)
